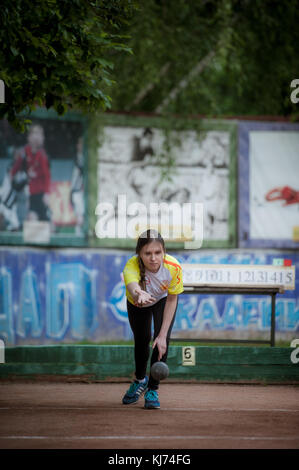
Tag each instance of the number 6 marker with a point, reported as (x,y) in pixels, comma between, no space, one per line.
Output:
(188,353)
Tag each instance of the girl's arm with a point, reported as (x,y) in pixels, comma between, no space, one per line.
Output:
(169,310)
(140,297)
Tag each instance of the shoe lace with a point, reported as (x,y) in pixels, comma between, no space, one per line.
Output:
(152,395)
(133,387)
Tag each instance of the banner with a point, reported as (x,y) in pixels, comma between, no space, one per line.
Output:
(68,296)
(268,185)
(145,163)
(42,182)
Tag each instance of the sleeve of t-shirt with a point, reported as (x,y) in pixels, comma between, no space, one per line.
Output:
(176,284)
(46,172)
(131,271)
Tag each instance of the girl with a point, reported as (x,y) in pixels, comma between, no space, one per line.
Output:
(153,281)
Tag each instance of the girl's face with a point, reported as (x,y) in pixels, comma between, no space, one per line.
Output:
(152,256)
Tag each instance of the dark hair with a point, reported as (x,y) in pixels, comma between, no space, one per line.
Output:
(146,237)
(147,131)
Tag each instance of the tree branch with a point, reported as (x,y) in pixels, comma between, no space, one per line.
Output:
(148,87)
(183,83)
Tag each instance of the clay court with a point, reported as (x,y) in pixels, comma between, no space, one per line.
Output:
(62,415)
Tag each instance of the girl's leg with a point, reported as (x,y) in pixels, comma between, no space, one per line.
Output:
(140,319)
(158,311)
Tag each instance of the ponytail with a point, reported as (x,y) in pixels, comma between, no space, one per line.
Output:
(142,274)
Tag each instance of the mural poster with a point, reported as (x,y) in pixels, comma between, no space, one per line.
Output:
(129,164)
(42,181)
(268,184)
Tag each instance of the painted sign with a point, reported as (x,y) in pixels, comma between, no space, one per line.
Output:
(55,296)
(137,154)
(42,180)
(268,185)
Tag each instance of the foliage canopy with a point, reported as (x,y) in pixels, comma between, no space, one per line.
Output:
(224,57)
(209,57)
(55,53)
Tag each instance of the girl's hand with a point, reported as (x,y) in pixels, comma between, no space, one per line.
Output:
(160,342)
(144,298)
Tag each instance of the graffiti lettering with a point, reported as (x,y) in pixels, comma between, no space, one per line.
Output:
(30,311)
(70,304)
(6,313)
(46,296)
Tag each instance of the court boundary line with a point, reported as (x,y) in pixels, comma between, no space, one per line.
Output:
(198,437)
(200,410)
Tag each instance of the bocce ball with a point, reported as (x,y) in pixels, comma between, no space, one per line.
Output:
(159,370)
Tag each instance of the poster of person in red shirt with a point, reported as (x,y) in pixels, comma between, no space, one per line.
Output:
(42,181)
(32,160)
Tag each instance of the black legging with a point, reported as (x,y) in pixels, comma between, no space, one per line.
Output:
(140,319)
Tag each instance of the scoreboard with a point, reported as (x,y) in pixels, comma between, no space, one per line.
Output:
(226,275)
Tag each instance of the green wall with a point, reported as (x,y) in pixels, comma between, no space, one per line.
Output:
(228,364)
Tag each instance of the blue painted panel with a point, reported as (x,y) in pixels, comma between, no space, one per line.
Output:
(54,296)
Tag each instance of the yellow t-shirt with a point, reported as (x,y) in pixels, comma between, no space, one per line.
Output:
(169,278)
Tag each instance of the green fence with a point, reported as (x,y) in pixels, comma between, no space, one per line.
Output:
(229,364)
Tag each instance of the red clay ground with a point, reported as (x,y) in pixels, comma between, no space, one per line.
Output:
(42,415)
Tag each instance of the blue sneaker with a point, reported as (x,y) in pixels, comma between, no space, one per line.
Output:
(151,400)
(133,393)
